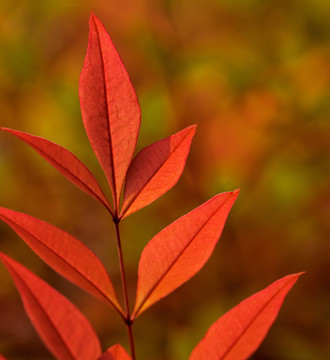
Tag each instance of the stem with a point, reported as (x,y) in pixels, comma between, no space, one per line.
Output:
(127,320)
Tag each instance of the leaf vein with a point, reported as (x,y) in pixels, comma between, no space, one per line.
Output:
(150,179)
(152,290)
(76,270)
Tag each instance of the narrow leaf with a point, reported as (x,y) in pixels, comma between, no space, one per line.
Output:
(155,170)
(115,352)
(109,106)
(62,327)
(64,253)
(180,250)
(240,331)
(66,163)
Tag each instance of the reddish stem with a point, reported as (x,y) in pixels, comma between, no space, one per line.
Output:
(128,321)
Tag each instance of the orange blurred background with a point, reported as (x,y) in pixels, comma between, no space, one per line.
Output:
(255,77)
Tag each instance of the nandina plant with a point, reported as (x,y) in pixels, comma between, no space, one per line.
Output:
(111,116)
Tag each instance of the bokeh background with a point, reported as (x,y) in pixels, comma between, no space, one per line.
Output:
(255,76)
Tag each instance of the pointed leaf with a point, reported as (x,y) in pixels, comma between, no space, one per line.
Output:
(180,250)
(155,170)
(66,163)
(109,107)
(64,253)
(62,327)
(240,331)
(115,352)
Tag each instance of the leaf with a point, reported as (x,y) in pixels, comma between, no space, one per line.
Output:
(180,250)
(64,253)
(155,170)
(62,327)
(66,163)
(2,357)
(115,352)
(109,106)
(240,331)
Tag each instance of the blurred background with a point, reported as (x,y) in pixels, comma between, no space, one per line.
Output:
(255,76)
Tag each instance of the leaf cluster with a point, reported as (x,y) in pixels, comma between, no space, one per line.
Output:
(111,116)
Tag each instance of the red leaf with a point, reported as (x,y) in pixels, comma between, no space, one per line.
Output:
(62,327)
(240,331)
(64,253)
(180,250)
(2,357)
(109,107)
(115,352)
(155,170)
(66,163)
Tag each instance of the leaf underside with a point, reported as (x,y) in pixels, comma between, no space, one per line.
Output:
(62,327)
(64,253)
(240,331)
(180,250)
(109,106)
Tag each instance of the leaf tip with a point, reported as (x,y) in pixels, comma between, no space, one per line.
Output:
(193,127)
(6,129)
(5,259)
(12,131)
(93,19)
(297,275)
(236,192)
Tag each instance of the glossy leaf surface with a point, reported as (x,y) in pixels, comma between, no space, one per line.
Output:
(180,250)
(66,163)
(240,331)
(64,330)
(115,352)
(64,253)
(155,170)
(109,107)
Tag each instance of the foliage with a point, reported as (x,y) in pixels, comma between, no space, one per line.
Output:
(111,116)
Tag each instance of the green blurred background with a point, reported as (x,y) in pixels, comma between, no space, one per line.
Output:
(255,76)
